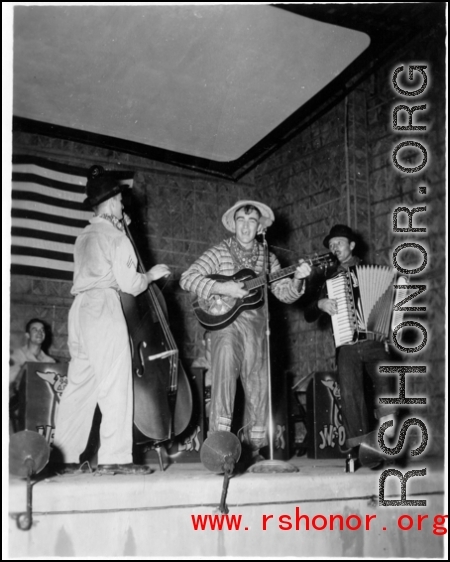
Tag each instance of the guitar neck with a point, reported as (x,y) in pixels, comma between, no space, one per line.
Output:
(322,261)
(261,279)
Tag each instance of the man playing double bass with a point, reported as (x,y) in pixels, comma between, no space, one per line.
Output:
(100,366)
(239,349)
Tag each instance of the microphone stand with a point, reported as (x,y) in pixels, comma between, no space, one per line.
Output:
(267,318)
(270,465)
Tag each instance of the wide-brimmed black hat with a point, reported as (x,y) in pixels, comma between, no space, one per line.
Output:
(340,230)
(102,185)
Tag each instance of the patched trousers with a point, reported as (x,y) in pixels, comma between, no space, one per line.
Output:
(239,350)
(99,372)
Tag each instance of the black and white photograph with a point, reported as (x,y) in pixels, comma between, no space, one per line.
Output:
(224,280)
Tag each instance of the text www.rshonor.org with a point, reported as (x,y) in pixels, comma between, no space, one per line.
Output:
(335,522)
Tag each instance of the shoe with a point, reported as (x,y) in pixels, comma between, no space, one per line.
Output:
(123,469)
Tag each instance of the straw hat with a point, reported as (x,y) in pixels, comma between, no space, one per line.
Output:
(267,216)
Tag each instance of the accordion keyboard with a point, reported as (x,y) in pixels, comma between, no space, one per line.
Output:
(344,322)
(364,296)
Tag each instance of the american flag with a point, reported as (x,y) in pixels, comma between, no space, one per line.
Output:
(47,215)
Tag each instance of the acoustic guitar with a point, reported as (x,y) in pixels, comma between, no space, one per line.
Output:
(219,311)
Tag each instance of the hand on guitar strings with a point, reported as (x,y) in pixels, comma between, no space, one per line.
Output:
(303,270)
(157,271)
(230,289)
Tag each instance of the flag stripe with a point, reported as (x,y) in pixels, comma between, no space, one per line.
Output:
(30,265)
(45,181)
(28,233)
(49,190)
(52,180)
(39,229)
(43,175)
(56,213)
(41,253)
(50,166)
(47,215)
(58,202)
(50,219)
(37,243)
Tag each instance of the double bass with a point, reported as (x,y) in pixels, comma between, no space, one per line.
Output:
(162,393)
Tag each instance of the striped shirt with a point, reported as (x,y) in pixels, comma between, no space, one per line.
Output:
(218,260)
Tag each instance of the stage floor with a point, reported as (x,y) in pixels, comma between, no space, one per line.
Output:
(85,515)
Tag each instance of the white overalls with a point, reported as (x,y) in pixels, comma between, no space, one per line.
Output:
(100,367)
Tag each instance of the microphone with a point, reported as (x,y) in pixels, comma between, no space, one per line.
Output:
(262,236)
(262,233)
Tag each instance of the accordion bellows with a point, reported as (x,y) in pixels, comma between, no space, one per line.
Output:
(364,296)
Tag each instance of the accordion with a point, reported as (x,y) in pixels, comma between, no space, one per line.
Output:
(364,296)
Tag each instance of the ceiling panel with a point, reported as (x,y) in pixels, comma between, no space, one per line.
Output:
(211,87)
(206,81)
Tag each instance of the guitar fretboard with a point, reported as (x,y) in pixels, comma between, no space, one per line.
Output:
(261,279)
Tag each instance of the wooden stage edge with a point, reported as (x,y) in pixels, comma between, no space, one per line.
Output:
(155,516)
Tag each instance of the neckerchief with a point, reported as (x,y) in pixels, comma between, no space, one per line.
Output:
(244,258)
(114,221)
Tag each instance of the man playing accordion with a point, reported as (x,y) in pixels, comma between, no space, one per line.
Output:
(362,355)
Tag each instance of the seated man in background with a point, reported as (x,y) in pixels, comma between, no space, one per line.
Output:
(35,334)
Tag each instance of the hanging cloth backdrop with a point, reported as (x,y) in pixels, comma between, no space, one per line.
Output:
(47,215)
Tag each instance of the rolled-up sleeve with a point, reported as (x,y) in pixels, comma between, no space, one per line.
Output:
(195,278)
(285,290)
(124,265)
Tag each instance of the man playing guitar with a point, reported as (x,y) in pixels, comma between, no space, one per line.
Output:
(239,348)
